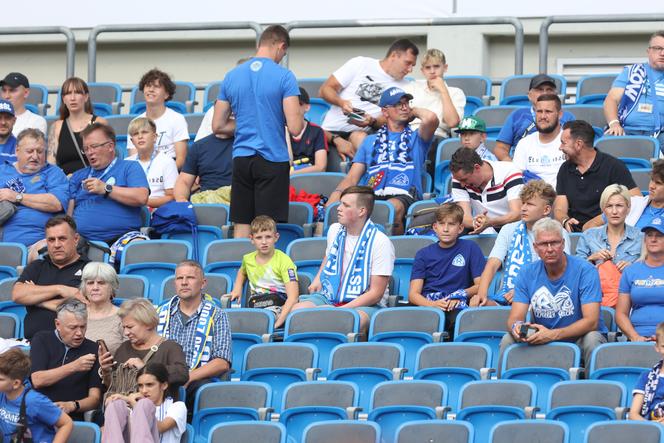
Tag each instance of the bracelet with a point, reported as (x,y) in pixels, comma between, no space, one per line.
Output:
(614,121)
(565,220)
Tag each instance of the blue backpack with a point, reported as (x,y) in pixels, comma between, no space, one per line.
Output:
(176,217)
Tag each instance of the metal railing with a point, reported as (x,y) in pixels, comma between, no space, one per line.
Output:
(546,24)
(69,35)
(217,26)
(451,21)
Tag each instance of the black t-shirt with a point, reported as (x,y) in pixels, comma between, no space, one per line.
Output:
(584,190)
(43,273)
(211,159)
(312,140)
(48,352)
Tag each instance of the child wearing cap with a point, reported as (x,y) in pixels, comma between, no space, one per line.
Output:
(472,131)
(309,147)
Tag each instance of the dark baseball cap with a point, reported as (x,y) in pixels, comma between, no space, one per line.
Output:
(541,79)
(14,79)
(304,97)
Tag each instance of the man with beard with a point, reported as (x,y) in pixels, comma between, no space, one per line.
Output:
(538,152)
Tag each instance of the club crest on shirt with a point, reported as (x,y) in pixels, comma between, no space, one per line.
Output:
(546,305)
(35,179)
(459,261)
(78,273)
(400,180)
(110,181)
(256,65)
(375,180)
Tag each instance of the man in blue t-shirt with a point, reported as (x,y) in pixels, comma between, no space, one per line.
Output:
(446,274)
(107,196)
(635,102)
(263,96)
(38,189)
(391,160)
(563,293)
(7,139)
(521,122)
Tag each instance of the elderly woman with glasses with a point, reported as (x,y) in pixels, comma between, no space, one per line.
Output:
(99,284)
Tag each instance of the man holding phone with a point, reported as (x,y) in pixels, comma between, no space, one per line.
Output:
(564,294)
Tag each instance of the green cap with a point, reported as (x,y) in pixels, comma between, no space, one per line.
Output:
(471,124)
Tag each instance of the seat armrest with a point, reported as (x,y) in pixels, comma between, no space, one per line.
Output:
(265,414)
(485,373)
(439,337)
(353,337)
(621,412)
(441,412)
(576,373)
(312,373)
(397,373)
(225,301)
(531,412)
(353,412)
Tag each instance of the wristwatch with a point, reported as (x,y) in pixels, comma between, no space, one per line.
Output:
(19,198)
(107,189)
(77,405)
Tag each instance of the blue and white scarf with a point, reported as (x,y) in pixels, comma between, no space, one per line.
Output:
(518,255)
(391,171)
(637,80)
(203,334)
(341,287)
(459,294)
(650,388)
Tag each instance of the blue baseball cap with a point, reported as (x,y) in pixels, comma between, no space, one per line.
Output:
(656,223)
(6,107)
(392,96)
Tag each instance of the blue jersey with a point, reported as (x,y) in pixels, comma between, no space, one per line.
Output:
(642,118)
(8,149)
(41,412)
(645,286)
(102,218)
(521,122)
(256,90)
(448,269)
(27,225)
(658,399)
(648,215)
(557,304)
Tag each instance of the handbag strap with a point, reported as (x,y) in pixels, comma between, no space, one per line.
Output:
(154,348)
(78,148)
(22,425)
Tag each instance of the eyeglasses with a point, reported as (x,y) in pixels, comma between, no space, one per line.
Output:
(659,49)
(89,148)
(402,105)
(549,244)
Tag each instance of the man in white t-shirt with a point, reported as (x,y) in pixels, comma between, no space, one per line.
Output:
(172,131)
(357,276)
(538,152)
(487,191)
(354,90)
(16,88)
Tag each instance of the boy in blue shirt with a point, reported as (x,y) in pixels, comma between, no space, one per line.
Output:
(648,393)
(447,274)
(45,421)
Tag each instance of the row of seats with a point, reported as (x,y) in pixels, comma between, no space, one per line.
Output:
(480,404)
(107,96)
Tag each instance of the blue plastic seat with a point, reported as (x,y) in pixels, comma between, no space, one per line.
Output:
(636,151)
(319,108)
(155,273)
(206,235)
(183,100)
(483,325)
(225,256)
(495,116)
(579,418)
(528,431)
(13,254)
(288,232)
(514,89)
(85,432)
(10,325)
(623,431)
(593,89)
(247,432)
(342,431)
(435,431)
(9,307)
(622,362)
(249,327)
(7,272)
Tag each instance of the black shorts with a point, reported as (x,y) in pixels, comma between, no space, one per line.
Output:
(259,187)
(405,199)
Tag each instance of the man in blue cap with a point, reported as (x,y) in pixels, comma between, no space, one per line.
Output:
(7,139)
(391,160)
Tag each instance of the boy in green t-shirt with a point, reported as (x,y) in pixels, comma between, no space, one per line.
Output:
(272,274)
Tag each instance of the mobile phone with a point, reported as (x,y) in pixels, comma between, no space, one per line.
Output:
(359,111)
(355,116)
(102,345)
(526,331)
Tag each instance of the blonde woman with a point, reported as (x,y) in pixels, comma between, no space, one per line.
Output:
(99,284)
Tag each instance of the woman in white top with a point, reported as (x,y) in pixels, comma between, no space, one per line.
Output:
(172,131)
(160,169)
(149,415)
(99,284)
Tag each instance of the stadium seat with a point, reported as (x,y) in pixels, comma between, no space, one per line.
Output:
(301,214)
(279,364)
(483,325)
(542,365)
(608,316)
(415,208)
(514,89)
(223,402)
(454,364)
(248,327)
(193,120)
(476,87)
(132,286)
(324,328)
(6,286)
(7,272)
(85,432)
(307,253)
(437,431)
(106,96)
(593,114)
(225,256)
(641,177)
(494,117)
(9,307)
(334,161)
(366,364)
(317,182)
(10,325)
(382,216)
(316,113)
(311,85)
(484,241)
(411,327)
(99,253)
(623,431)
(486,403)
(212,214)
(217,285)
(288,232)
(574,240)
(183,100)
(622,362)
(314,401)
(211,93)
(592,89)
(205,235)
(347,431)
(13,254)
(247,432)
(37,101)
(405,248)
(635,151)
(120,123)
(528,431)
